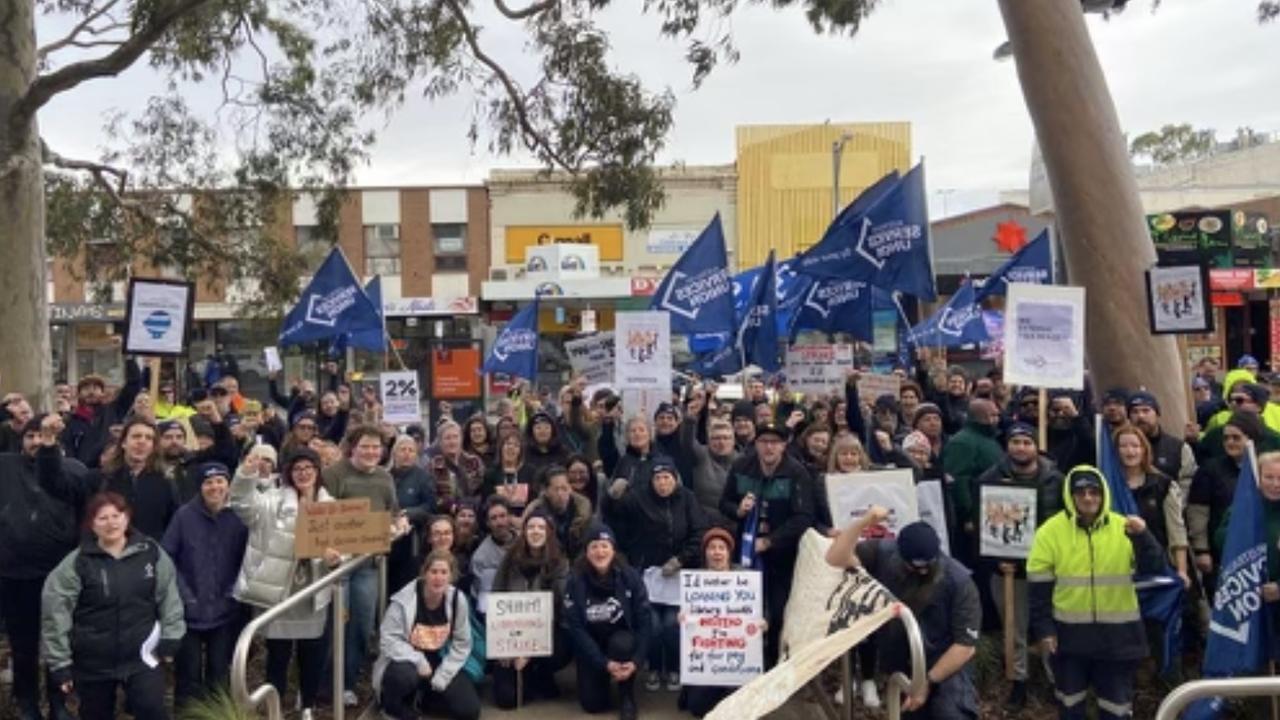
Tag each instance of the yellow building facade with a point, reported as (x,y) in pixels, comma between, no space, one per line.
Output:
(785,175)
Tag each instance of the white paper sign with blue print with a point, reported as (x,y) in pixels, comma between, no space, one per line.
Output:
(1044,336)
(158,317)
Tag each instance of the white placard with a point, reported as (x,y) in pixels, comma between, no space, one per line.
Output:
(722,636)
(271,358)
(519,625)
(662,589)
(1008,515)
(819,370)
(933,510)
(158,317)
(852,494)
(643,351)
(1044,336)
(400,397)
(592,357)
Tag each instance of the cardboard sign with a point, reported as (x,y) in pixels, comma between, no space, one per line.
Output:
(872,386)
(399,391)
(592,357)
(158,317)
(1008,515)
(519,625)
(722,637)
(347,526)
(1044,336)
(852,494)
(819,370)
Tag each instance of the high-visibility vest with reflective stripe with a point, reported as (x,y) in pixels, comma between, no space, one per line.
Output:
(1092,570)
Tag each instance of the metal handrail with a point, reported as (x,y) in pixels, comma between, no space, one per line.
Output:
(266,693)
(899,683)
(1187,693)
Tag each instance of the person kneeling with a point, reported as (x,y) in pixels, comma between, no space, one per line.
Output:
(424,642)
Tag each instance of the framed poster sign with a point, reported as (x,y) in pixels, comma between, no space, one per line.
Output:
(158,316)
(1178,300)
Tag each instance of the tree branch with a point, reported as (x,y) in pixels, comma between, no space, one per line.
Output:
(534,9)
(111,64)
(532,136)
(97,171)
(82,27)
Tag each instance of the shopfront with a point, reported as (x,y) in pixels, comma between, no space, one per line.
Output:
(86,340)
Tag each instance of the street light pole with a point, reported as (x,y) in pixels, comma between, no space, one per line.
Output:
(837,151)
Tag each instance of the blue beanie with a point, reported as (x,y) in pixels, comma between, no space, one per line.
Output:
(918,543)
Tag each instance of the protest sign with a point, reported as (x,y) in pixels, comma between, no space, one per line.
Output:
(592,357)
(1178,300)
(519,625)
(1008,515)
(1044,336)
(271,358)
(722,636)
(400,398)
(642,355)
(932,510)
(662,589)
(852,494)
(347,526)
(872,386)
(158,317)
(818,370)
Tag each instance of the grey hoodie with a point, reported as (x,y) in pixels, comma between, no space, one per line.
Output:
(397,623)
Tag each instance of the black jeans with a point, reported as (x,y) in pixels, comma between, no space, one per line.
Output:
(144,692)
(203,662)
(595,684)
(402,686)
(539,676)
(20,600)
(313,656)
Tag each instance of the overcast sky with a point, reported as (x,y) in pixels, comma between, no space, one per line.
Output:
(928,62)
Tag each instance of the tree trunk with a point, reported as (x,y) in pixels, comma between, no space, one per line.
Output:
(25,356)
(1096,199)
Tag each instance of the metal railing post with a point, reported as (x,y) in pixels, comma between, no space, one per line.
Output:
(899,683)
(381,562)
(1187,693)
(339,648)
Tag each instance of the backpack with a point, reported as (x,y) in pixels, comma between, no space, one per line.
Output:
(474,666)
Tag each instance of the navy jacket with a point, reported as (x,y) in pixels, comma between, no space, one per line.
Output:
(631,595)
(207,551)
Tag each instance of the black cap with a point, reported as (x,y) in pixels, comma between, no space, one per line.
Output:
(1142,398)
(213,469)
(769,427)
(666,408)
(1020,429)
(1116,395)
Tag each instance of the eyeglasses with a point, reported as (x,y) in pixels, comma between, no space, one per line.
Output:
(1240,399)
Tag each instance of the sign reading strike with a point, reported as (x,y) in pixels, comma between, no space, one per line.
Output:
(592,357)
(519,625)
(818,369)
(400,397)
(347,526)
(722,635)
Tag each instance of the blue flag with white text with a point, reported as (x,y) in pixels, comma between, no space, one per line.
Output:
(834,306)
(1032,264)
(515,350)
(957,323)
(758,336)
(332,306)
(374,340)
(697,291)
(1239,625)
(1160,595)
(886,244)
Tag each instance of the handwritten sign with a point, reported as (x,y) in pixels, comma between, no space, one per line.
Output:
(872,386)
(722,636)
(519,625)
(592,357)
(347,526)
(818,369)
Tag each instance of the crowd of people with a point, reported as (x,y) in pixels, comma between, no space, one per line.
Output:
(139,529)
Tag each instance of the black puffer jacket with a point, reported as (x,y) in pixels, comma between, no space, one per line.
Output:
(657,528)
(40,501)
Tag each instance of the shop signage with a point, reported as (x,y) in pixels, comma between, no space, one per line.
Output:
(608,238)
(671,241)
(1227,299)
(455,373)
(69,313)
(1189,238)
(598,288)
(1265,279)
(425,306)
(1235,279)
(644,286)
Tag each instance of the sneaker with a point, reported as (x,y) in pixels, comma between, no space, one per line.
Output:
(673,682)
(653,681)
(349,698)
(1017,697)
(628,710)
(870,697)
(306,714)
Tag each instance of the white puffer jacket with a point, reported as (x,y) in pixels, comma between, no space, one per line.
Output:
(270,571)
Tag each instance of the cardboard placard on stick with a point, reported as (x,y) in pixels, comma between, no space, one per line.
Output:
(347,526)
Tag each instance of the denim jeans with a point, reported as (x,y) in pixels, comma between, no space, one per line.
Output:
(664,648)
(362,600)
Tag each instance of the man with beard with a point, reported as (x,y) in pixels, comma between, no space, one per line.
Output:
(486,559)
(1115,408)
(214,441)
(943,599)
(1169,455)
(711,462)
(1070,434)
(88,430)
(1022,466)
(41,494)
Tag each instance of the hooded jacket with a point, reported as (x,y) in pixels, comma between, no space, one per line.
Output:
(656,528)
(97,610)
(397,623)
(88,430)
(1080,580)
(40,503)
(206,550)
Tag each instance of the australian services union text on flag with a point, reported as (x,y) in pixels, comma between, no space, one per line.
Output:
(332,305)
(515,350)
(698,292)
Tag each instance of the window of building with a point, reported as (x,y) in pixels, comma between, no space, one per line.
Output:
(450,245)
(382,249)
(311,244)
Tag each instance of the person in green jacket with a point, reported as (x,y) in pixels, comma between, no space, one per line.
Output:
(968,454)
